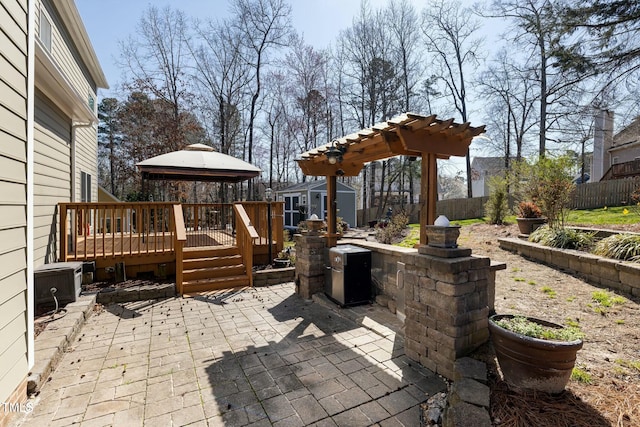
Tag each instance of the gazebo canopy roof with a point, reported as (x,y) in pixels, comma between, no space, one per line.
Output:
(408,134)
(197,162)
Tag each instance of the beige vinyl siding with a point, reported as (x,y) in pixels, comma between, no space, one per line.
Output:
(66,56)
(52,177)
(67,59)
(13,202)
(86,159)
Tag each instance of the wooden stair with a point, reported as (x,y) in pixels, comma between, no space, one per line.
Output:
(212,269)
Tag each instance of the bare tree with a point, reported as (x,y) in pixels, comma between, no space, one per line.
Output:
(264,24)
(510,90)
(222,74)
(404,26)
(535,23)
(156,60)
(450,32)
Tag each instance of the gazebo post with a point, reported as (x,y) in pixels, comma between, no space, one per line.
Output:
(332,236)
(428,193)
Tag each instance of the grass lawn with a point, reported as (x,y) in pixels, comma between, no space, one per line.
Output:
(589,217)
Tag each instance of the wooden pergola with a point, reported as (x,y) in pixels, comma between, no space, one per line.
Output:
(408,134)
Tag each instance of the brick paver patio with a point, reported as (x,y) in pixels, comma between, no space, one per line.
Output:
(258,357)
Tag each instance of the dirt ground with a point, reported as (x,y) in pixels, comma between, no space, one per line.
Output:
(611,352)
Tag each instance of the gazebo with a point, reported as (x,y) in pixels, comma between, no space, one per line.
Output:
(408,134)
(197,162)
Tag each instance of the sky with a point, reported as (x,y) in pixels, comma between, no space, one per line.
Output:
(320,22)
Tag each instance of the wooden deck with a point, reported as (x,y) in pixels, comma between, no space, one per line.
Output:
(100,245)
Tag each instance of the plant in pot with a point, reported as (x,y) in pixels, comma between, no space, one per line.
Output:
(529,217)
(283,259)
(534,354)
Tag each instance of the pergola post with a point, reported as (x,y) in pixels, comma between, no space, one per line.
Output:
(428,194)
(332,236)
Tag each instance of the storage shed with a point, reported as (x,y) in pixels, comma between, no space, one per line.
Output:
(313,196)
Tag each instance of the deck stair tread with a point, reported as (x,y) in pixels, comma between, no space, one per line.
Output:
(213,268)
(211,284)
(208,262)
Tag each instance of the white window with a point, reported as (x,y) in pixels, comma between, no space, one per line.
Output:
(45,31)
(615,161)
(85,187)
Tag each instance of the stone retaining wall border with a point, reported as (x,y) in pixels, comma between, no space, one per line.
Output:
(623,276)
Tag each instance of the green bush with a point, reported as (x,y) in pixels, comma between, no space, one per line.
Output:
(563,238)
(549,184)
(497,207)
(619,246)
(392,230)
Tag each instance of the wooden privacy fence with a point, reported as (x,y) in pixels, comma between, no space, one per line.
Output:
(591,195)
(616,192)
(452,208)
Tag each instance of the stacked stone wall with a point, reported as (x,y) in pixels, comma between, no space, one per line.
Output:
(310,264)
(446,309)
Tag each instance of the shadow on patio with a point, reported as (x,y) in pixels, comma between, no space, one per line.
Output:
(293,362)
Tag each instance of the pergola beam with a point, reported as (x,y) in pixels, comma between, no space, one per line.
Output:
(408,134)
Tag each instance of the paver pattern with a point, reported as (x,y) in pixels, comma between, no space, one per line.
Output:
(257,357)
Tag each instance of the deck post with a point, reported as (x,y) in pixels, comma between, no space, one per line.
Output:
(64,230)
(428,194)
(180,239)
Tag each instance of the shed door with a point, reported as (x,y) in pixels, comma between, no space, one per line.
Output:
(291,212)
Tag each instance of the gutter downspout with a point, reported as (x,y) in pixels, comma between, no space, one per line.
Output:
(30,150)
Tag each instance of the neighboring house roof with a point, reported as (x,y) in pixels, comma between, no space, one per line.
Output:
(197,162)
(481,166)
(628,136)
(105,196)
(307,185)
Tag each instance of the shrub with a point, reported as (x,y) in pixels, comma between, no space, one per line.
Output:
(496,208)
(563,238)
(528,210)
(622,246)
(549,184)
(392,230)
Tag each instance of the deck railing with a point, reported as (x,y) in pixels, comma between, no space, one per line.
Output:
(209,224)
(100,230)
(257,212)
(145,235)
(246,239)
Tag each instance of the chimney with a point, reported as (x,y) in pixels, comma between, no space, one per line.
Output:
(602,142)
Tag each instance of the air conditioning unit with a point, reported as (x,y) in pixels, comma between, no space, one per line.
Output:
(66,277)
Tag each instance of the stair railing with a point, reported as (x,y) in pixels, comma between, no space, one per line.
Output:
(180,238)
(246,236)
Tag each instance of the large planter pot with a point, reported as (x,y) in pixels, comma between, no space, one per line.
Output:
(529,225)
(281,262)
(531,363)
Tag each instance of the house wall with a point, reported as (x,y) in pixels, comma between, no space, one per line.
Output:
(627,154)
(52,176)
(602,141)
(65,146)
(14,122)
(479,187)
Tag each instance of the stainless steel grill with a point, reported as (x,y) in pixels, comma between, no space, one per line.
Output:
(350,282)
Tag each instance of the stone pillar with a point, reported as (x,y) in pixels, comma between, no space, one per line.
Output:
(310,268)
(446,306)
